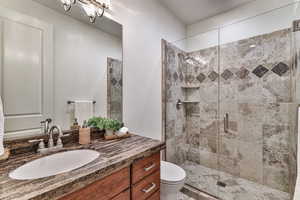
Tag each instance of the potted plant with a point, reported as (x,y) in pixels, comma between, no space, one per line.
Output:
(111,126)
(97,122)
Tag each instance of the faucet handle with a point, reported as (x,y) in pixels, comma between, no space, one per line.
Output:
(40,141)
(45,125)
(59,143)
(49,120)
(35,141)
(65,135)
(42,144)
(50,142)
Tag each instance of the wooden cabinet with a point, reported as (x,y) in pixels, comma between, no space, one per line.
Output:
(145,167)
(140,181)
(145,176)
(146,187)
(104,189)
(123,196)
(155,196)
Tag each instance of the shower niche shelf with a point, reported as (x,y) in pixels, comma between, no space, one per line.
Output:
(190,102)
(180,103)
(190,87)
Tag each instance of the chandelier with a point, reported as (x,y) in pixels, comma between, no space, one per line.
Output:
(92,8)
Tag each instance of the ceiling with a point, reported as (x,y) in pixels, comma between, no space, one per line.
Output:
(192,11)
(105,24)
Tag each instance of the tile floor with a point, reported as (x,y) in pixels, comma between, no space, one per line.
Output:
(205,179)
(184,197)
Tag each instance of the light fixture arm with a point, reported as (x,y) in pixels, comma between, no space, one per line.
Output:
(95,3)
(102,13)
(92,19)
(67,7)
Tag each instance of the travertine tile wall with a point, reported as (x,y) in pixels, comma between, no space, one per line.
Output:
(255,89)
(251,81)
(175,119)
(115,89)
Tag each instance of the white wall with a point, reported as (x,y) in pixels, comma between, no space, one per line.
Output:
(80,58)
(145,23)
(256,18)
(239,14)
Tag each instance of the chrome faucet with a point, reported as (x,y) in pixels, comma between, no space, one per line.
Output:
(50,131)
(59,143)
(45,125)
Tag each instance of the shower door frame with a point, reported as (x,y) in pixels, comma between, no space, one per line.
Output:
(163,83)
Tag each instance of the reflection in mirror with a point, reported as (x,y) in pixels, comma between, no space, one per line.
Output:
(50,57)
(114,89)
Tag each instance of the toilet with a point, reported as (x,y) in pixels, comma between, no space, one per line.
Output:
(172,179)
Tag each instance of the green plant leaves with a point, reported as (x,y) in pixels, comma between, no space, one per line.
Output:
(105,123)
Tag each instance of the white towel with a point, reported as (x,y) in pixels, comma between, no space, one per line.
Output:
(83,111)
(1,128)
(297,189)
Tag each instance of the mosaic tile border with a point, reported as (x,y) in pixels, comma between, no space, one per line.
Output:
(260,71)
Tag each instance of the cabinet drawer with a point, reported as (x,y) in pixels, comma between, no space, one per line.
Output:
(146,187)
(123,196)
(145,167)
(155,196)
(104,189)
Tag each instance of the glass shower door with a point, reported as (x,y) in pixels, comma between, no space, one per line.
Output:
(203,48)
(255,100)
(230,107)
(192,80)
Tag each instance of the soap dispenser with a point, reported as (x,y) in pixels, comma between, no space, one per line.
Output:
(75,125)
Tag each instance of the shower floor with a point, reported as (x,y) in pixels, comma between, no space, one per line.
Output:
(205,179)
(182,196)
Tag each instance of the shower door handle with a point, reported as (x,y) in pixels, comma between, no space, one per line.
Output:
(226,123)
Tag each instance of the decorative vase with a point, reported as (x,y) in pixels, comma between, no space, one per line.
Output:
(109,132)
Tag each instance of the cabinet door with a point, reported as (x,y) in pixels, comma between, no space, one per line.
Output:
(145,167)
(104,189)
(123,196)
(26,72)
(155,196)
(146,187)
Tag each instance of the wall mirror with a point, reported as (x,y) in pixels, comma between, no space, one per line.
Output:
(49,58)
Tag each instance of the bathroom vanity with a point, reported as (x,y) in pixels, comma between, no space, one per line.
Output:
(68,63)
(139,181)
(126,169)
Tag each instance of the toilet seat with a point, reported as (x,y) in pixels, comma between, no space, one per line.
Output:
(171,173)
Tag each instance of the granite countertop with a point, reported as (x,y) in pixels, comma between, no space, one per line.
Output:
(114,155)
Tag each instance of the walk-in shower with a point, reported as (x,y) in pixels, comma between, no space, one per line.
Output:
(230,107)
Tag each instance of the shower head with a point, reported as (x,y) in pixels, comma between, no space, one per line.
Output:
(192,60)
(184,57)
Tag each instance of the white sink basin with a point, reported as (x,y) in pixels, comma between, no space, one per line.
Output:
(54,164)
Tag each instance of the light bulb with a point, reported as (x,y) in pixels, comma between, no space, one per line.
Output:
(106,2)
(67,4)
